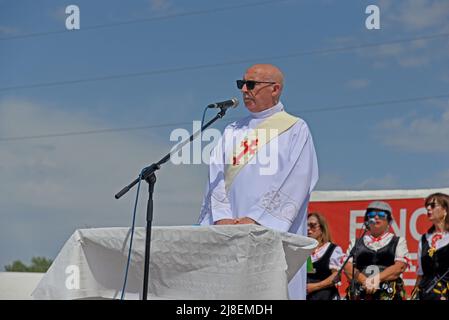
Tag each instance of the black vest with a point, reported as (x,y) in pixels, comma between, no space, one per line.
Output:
(433,268)
(383,257)
(321,266)
(438,264)
(321,272)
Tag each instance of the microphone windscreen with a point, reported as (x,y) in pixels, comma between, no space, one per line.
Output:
(236,102)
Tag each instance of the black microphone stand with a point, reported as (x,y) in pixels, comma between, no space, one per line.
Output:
(148,174)
(352,254)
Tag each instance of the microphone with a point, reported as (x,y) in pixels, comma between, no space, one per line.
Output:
(234,102)
(369,222)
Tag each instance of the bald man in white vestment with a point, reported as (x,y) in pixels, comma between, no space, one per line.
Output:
(264,167)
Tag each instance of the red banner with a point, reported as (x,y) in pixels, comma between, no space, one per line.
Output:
(345,220)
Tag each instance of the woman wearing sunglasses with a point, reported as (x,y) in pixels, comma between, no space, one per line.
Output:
(326,259)
(379,258)
(432,282)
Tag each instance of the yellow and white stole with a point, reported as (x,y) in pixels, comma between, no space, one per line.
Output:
(255,139)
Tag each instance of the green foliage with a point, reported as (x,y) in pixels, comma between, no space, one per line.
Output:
(38,264)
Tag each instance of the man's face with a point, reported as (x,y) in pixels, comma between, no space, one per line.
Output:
(263,95)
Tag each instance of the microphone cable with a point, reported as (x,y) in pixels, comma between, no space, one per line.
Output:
(202,119)
(202,122)
(134,220)
(132,236)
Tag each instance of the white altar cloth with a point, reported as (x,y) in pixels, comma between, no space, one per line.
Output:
(186,262)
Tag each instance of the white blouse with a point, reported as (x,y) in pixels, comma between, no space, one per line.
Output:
(336,259)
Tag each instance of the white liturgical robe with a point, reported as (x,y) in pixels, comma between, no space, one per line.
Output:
(273,188)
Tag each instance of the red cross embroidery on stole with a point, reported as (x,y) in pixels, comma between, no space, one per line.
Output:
(247,148)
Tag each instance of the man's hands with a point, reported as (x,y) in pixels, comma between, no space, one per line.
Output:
(224,221)
(244,220)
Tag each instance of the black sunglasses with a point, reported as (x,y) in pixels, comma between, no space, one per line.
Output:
(432,205)
(250,84)
(312,225)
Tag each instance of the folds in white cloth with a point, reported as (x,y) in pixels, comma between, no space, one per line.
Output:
(186,262)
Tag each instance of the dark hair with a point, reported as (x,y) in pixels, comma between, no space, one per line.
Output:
(326,237)
(443,200)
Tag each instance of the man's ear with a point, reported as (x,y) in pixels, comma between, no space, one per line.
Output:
(276,88)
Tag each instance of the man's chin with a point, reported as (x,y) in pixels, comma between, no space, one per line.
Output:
(250,105)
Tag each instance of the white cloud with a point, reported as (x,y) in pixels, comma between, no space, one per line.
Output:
(92,167)
(406,19)
(58,14)
(437,180)
(342,41)
(406,55)
(330,181)
(445,176)
(414,61)
(63,183)
(386,182)
(425,16)
(394,49)
(8,31)
(422,43)
(416,134)
(160,5)
(411,54)
(445,78)
(414,15)
(357,83)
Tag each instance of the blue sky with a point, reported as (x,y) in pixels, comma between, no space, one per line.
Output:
(52,186)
